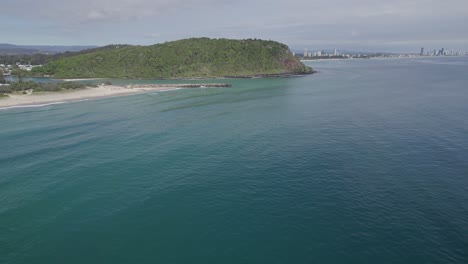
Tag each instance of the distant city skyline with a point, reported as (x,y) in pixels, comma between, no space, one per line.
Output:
(360,25)
(307,52)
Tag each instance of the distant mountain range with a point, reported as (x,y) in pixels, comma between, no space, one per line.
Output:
(10,49)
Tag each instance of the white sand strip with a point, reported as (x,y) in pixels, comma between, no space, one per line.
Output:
(43,98)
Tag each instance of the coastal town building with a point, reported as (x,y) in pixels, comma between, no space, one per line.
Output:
(26,67)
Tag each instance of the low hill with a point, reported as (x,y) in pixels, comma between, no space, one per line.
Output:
(43,58)
(188,58)
(10,49)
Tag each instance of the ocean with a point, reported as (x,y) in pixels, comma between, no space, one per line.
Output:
(364,162)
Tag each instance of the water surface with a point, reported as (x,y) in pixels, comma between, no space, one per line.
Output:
(364,162)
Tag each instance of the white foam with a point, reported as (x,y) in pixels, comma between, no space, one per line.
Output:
(32,105)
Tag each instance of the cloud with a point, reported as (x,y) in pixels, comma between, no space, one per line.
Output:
(95,14)
(152,35)
(83,10)
(293,22)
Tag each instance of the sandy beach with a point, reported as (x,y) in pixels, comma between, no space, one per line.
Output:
(36,99)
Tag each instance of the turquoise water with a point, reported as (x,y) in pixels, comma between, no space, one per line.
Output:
(364,162)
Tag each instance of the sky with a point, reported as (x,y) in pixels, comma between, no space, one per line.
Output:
(361,25)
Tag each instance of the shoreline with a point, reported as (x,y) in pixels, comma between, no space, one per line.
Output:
(81,79)
(329,59)
(255,76)
(89,93)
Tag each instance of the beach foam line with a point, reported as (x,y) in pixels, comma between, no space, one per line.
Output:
(82,99)
(119,93)
(32,105)
(170,89)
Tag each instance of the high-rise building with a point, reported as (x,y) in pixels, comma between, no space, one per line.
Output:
(422,51)
(305,52)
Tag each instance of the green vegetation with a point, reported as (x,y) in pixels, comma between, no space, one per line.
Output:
(5,89)
(70,85)
(189,58)
(40,87)
(41,58)
(3,95)
(2,78)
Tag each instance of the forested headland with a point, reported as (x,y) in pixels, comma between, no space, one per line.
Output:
(188,58)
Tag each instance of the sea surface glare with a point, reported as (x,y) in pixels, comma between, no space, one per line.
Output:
(363,162)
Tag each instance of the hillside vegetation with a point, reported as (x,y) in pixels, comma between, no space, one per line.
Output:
(43,58)
(189,58)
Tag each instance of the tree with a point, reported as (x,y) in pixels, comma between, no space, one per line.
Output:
(2,78)
(19,75)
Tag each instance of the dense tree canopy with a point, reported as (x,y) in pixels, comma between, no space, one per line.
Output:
(43,58)
(189,58)
(41,87)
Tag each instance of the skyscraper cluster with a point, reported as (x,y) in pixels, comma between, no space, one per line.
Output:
(442,52)
(321,53)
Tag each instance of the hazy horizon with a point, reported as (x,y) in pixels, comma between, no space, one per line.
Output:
(363,25)
(293,48)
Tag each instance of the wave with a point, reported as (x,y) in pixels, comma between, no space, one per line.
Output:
(42,105)
(33,105)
